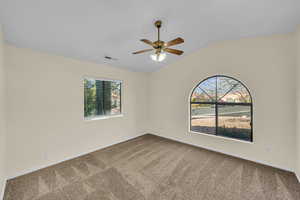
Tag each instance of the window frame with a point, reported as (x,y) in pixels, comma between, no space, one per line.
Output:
(216,103)
(100,117)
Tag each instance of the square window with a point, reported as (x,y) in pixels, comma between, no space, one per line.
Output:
(101,98)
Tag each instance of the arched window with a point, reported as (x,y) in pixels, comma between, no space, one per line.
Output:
(222,106)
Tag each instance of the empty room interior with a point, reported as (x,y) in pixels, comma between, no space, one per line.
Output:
(150,100)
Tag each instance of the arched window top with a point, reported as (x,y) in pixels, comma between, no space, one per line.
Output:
(220,89)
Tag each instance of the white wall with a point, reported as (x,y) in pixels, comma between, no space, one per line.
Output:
(45,109)
(2,118)
(298,102)
(266,65)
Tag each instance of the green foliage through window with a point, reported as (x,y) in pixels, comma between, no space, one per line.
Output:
(101,97)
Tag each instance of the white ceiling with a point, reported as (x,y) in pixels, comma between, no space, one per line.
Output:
(92,29)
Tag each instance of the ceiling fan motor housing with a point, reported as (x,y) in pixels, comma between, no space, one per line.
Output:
(159,44)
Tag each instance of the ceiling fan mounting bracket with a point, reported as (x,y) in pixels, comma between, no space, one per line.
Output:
(158,23)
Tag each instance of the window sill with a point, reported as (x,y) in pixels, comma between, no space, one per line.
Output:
(222,137)
(102,117)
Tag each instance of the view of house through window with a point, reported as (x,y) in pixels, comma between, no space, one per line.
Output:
(101,98)
(222,106)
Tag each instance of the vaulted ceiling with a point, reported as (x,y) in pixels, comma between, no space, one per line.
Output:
(91,29)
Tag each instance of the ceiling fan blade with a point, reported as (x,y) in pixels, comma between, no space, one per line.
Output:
(174,42)
(147,42)
(174,51)
(142,51)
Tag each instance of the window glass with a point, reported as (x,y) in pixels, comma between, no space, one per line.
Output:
(225,85)
(221,105)
(199,95)
(209,88)
(234,121)
(203,118)
(237,94)
(101,98)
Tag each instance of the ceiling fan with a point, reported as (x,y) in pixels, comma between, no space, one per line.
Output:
(160,46)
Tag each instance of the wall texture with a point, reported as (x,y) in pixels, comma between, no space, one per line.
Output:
(2,118)
(45,109)
(266,65)
(298,103)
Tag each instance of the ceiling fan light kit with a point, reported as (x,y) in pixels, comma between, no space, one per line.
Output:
(160,46)
(158,57)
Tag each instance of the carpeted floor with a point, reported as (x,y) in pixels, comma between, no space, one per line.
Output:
(153,168)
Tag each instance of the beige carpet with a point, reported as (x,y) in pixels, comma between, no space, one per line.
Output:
(153,168)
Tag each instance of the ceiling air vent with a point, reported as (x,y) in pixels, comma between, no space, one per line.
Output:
(110,58)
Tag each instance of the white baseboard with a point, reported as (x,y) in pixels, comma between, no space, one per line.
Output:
(27,171)
(218,151)
(2,190)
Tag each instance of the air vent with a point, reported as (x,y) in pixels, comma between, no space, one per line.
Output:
(110,58)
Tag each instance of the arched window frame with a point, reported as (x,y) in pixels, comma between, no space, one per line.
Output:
(216,103)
